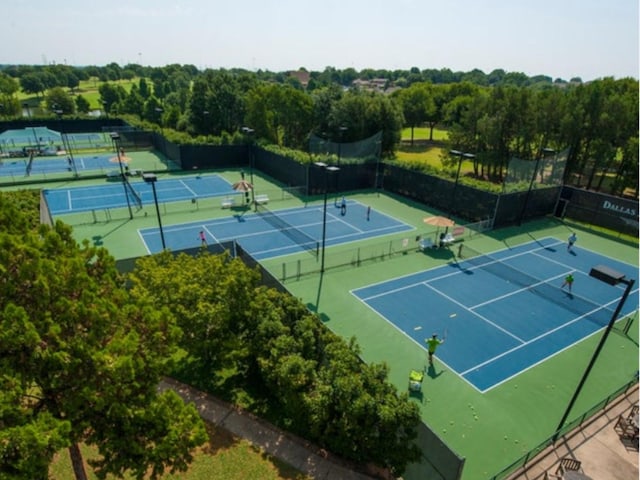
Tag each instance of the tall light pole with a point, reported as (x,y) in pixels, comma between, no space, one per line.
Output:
(65,143)
(249,132)
(152,179)
(327,169)
(611,277)
(543,153)
(33,129)
(461,156)
(115,137)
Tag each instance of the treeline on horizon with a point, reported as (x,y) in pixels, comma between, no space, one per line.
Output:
(400,77)
(496,117)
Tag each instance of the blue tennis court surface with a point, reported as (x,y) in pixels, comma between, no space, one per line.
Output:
(260,238)
(496,328)
(112,195)
(17,167)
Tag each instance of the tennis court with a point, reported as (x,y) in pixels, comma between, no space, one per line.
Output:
(269,234)
(17,167)
(498,320)
(111,195)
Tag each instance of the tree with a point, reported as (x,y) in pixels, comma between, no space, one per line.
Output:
(32,83)
(242,335)
(82,104)
(110,95)
(81,361)
(417,105)
(59,99)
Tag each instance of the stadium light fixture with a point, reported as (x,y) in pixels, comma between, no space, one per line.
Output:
(610,277)
(249,133)
(115,138)
(152,179)
(327,170)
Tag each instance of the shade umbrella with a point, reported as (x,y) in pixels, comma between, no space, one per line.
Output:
(438,222)
(242,186)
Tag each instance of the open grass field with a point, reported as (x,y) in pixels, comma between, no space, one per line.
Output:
(87,88)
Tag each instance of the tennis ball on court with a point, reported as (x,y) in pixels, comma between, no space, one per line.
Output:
(505,437)
(451,422)
(515,386)
(444,430)
(515,441)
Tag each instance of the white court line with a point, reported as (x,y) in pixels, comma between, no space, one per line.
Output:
(188,189)
(69,202)
(204,227)
(406,334)
(426,284)
(545,334)
(352,227)
(519,290)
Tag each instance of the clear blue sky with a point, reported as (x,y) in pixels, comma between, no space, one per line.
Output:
(561,38)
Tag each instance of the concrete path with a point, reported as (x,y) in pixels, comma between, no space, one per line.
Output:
(294,451)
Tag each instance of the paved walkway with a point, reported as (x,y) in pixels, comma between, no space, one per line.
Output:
(603,454)
(292,450)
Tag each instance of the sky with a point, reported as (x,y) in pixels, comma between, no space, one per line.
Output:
(564,39)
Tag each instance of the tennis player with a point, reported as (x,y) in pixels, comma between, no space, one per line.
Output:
(433,343)
(203,238)
(568,281)
(571,240)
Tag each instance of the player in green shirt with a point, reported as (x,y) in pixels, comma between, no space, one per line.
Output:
(568,281)
(432,344)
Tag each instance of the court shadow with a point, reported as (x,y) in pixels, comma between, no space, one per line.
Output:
(571,252)
(549,249)
(239,217)
(431,372)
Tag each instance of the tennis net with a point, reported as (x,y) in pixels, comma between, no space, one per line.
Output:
(550,292)
(298,236)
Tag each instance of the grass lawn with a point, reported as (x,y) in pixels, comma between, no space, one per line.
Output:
(87,88)
(224,456)
(422,133)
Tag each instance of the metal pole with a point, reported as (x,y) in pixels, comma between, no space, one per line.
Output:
(543,152)
(155,199)
(115,137)
(629,284)
(324,221)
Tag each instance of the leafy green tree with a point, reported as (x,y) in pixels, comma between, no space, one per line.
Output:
(82,104)
(243,336)
(110,95)
(9,103)
(417,105)
(58,98)
(32,83)
(81,361)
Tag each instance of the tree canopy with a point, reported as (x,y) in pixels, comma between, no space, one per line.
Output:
(81,360)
